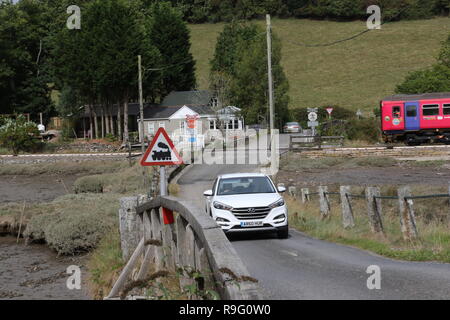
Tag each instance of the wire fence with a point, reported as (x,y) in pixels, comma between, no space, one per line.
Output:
(373,198)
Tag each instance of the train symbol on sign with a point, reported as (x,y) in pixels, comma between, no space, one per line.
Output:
(164,154)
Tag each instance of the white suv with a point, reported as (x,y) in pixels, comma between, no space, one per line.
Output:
(247,202)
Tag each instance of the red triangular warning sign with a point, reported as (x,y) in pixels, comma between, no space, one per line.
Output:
(161,151)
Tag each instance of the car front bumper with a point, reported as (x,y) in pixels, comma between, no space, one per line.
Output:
(269,223)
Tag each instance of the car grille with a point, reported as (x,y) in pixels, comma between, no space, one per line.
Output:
(249,214)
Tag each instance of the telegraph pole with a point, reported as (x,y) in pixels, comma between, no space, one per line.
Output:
(141,110)
(271,107)
(269,65)
(141,105)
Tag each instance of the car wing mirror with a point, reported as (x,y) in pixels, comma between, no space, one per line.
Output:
(281,189)
(208,193)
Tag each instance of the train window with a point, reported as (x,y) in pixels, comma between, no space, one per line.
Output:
(447,109)
(411,111)
(430,110)
(396,112)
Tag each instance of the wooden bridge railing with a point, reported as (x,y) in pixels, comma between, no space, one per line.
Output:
(193,242)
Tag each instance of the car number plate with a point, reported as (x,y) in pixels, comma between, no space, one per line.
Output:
(248,224)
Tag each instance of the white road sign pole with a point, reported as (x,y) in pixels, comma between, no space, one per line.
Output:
(162,181)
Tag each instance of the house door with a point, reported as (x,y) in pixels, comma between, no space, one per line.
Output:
(412,117)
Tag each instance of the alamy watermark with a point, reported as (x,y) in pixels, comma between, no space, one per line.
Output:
(74,280)
(374,280)
(374,21)
(74,20)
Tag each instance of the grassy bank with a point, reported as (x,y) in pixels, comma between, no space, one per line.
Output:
(356,73)
(431,217)
(83,221)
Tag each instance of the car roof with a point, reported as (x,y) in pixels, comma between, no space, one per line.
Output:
(242,175)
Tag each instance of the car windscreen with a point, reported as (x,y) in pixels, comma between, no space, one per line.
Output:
(233,186)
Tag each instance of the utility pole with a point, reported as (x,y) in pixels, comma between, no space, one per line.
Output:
(141,106)
(273,159)
(269,65)
(141,110)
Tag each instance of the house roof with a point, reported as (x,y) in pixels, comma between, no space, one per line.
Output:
(165,112)
(415,97)
(187,98)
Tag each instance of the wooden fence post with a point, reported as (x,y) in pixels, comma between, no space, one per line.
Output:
(347,212)
(149,252)
(407,216)
(305,195)
(324,202)
(292,191)
(374,209)
(448,214)
(156,235)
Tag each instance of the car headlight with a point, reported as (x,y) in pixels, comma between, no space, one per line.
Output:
(278,203)
(221,206)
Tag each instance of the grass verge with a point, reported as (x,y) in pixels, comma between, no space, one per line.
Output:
(434,235)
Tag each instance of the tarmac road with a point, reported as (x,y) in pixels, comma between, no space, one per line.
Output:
(301,267)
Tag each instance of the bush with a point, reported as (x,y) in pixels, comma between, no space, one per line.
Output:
(35,230)
(74,233)
(18,134)
(364,129)
(89,184)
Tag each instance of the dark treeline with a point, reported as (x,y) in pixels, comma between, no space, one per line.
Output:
(199,11)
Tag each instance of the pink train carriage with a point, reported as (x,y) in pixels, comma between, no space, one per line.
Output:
(416,119)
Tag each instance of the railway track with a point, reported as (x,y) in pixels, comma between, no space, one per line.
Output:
(400,151)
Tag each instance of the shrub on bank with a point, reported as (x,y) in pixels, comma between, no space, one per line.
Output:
(75,233)
(89,184)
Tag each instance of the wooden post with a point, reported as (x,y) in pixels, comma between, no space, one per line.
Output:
(167,246)
(374,210)
(149,250)
(448,215)
(305,195)
(324,202)
(347,212)
(156,235)
(293,191)
(407,216)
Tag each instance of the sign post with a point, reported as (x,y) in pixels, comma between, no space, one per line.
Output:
(330,111)
(161,152)
(312,117)
(191,128)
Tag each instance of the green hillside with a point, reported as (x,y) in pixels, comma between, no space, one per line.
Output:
(354,74)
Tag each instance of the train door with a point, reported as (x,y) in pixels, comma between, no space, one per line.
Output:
(412,118)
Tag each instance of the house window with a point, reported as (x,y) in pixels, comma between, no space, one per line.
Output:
(396,112)
(447,109)
(430,110)
(212,124)
(182,126)
(236,124)
(151,128)
(162,125)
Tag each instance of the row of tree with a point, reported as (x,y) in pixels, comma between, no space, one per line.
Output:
(433,79)
(239,73)
(199,11)
(94,65)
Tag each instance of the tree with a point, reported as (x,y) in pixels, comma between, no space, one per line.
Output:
(18,134)
(24,72)
(434,79)
(171,37)
(241,54)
